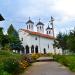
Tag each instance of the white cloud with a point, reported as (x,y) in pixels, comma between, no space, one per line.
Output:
(65,7)
(62,10)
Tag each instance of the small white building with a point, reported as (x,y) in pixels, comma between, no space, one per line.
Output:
(36,42)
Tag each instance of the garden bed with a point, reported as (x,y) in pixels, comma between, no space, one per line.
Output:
(14,64)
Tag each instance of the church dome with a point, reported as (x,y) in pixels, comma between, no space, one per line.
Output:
(48,28)
(29,21)
(39,23)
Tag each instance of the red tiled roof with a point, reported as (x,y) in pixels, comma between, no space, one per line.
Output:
(38,34)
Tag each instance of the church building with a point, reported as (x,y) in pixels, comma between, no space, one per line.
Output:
(36,41)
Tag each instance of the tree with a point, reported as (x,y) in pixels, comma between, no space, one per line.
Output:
(1,35)
(71,41)
(60,41)
(15,43)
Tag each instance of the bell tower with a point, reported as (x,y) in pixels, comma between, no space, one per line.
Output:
(48,30)
(40,27)
(30,24)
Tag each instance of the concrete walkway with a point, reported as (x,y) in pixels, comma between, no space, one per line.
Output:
(47,68)
(45,59)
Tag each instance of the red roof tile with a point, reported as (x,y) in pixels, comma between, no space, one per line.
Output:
(38,34)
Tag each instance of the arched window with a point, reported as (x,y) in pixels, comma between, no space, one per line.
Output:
(27,49)
(35,38)
(21,39)
(44,51)
(47,32)
(29,26)
(36,49)
(40,27)
(48,45)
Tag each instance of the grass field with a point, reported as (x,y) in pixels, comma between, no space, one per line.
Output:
(67,60)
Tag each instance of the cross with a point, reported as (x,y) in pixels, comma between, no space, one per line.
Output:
(39,19)
(51,21)
(29,18)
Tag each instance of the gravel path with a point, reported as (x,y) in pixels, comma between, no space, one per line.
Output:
(47,68)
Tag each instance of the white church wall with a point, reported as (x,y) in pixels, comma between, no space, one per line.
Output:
(44,42)
(41,42)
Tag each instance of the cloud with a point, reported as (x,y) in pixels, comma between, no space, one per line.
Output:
(65,7)
(18,11)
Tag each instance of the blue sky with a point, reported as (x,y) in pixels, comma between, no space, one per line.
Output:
(16,12)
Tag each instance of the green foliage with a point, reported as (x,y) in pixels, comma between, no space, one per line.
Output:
(2,72)
(1,35)
(71,41)
(66,41)
(11,66)
(67,60)
(15,43)
(62,40)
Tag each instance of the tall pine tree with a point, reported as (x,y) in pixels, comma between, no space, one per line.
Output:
(14,40)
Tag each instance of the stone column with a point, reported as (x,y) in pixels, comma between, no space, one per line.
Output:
(20,52)
(29,50)
(16,51)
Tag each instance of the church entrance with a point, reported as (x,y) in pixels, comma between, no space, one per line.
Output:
(36,49)
(27,49)
(44,51)
(32,49)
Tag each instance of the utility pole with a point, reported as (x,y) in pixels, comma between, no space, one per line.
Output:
(51,22)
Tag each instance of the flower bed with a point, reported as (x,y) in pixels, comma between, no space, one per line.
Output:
(13,64)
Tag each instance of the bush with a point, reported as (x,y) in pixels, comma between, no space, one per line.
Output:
(23,64)
(67,60)
(2,72)
(11,66)
(35,56)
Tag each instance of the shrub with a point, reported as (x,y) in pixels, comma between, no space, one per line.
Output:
(67,60)
(35,56)
(2,72)
(23,64)
(11,66)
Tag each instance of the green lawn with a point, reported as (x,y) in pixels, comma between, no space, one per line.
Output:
(67,60)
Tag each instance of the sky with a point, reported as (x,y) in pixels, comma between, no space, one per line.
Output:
(17,12)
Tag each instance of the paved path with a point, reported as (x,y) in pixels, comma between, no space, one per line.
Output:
(45,59)
(47,68)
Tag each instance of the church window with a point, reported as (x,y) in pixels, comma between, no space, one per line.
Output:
(21,39)
(32,26)
(35,38)
(37,27)
(29,26)
(48,45)
(47,32)
(40,27)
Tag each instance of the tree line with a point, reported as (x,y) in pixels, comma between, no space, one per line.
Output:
(66,41)
(11,40)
